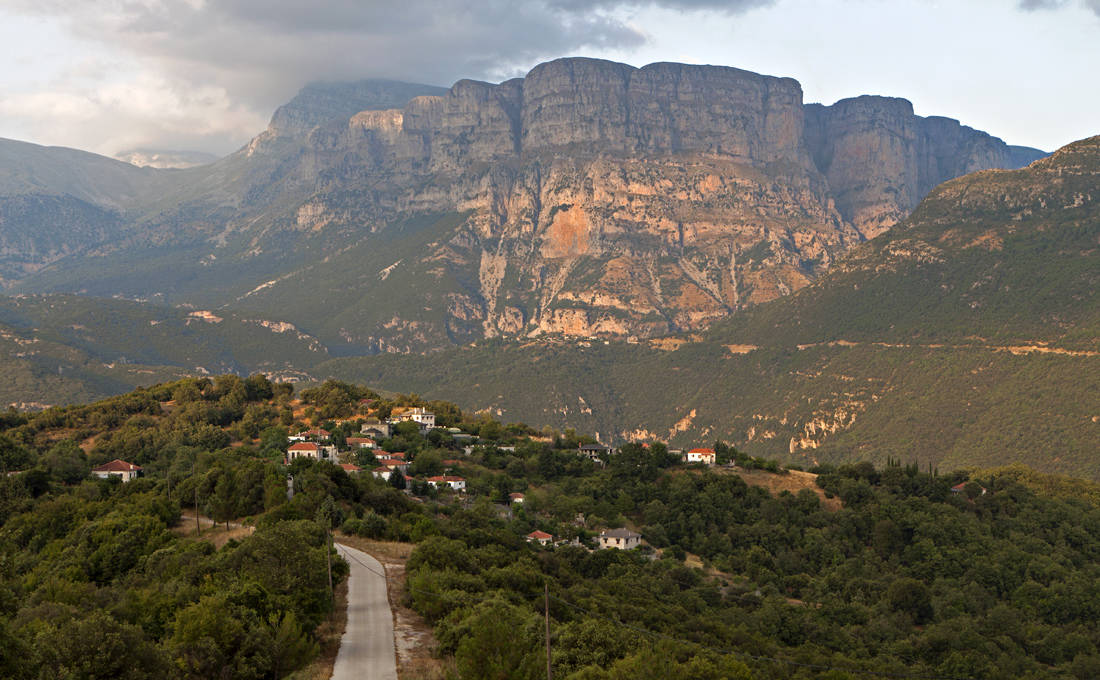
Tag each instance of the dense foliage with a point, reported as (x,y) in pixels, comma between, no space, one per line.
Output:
(864,570)
(906,578)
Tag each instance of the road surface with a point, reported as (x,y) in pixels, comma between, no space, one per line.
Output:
(367,649)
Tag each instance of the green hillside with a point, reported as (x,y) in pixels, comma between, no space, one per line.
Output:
(65,349)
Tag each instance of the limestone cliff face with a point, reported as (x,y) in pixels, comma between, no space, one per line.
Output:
(606,199)
(880,159)
(599,198)
(587,198)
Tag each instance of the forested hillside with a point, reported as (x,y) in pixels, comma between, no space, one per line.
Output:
(746,569)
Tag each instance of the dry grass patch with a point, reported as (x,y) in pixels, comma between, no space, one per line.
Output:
(794,481)
(208,531)
(415,642)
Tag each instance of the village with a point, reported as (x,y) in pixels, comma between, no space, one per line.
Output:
(368,445)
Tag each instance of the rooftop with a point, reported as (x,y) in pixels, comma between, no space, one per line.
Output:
(117,465)
(620,533)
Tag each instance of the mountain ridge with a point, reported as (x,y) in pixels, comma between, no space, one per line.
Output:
(588,198)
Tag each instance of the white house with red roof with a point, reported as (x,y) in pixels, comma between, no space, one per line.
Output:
(706,456)
(310,450)
(361,443)
(540,537)
(315,435)
(455,483)
(516,498)
(351,468)
(117,468)
(395,464)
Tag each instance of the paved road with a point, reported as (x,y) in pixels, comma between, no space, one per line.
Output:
(366,650)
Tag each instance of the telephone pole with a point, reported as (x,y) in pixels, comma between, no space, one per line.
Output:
(546,596)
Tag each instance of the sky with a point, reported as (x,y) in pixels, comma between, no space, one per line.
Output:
(116,75)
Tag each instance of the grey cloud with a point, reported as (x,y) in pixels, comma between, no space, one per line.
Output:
(725,6)
(260,47)
(258,53)
(1034,5)
(1038,5)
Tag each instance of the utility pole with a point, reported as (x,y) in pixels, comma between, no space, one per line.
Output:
(546,595)
(198,529)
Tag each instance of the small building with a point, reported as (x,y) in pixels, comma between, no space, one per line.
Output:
(540,537)
(351,468)
(418,414)
(304,450)
(382,473)
(373,427)
(117,468)
(361,443)
(960,489)
(596,452)
(620,539)
(706,456)
(450,481)
(395,464)
(516,498)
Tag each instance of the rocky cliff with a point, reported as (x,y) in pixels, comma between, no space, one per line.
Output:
(586,198)
(605,199)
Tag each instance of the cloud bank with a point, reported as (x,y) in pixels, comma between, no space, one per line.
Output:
(206,74)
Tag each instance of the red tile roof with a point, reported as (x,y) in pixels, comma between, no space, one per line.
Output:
(350,467)
(701,451)
(391,462)
(117,465)
(540,535)
(516,495)
(446,478)
(304,446)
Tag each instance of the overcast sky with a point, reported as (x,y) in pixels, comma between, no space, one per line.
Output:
(114,75)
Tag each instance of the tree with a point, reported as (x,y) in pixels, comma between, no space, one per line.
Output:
(397,480)
(291,646)
(911,597)
(13,456)
(66,461)
(222,505)
(495,647)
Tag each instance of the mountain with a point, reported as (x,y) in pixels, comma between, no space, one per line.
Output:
(57,203)
(969,334)
(966,335)
(587,198)
(166,159)
(62,349)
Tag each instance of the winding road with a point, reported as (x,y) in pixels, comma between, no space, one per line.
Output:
(367,648)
